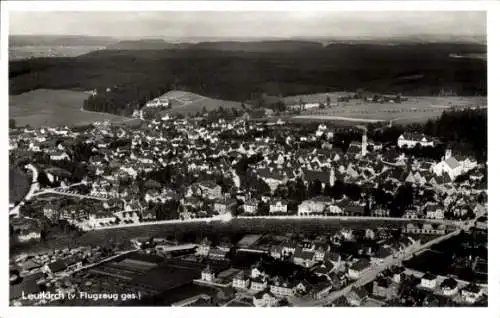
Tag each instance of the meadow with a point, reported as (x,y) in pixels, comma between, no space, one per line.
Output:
(417,109)
(47,107)
(189,103)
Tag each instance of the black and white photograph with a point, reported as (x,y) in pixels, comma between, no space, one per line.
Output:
(247,158)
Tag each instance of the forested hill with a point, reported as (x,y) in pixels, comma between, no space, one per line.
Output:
(237,46)
(135,76)
(152,44)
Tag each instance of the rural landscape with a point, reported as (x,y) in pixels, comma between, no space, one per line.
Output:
(286,169)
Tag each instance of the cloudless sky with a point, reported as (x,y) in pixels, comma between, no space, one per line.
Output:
(249,24)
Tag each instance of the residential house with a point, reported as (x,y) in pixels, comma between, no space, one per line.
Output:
(204,248)
(482,223)
(429,281)
(208,189)
(321,289)
(303,258)
(321,251)
(358,268)
(356,296)
(281,288)
(208,274)
(397,273)
(258,283)
(278,206)
(384,288)
(222,206)
(265,298)
(275,251)
(288,248)
(380,255)
(434,211)
(315,205)
(216,254)
(471,293)
(449,287)
(60,155)
(100,218)
(250,206)
(241,281)
(26,235)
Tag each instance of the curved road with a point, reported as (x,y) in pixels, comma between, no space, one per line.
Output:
(389,261)
(33,188)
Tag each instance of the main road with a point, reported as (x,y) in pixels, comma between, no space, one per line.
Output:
(374,270)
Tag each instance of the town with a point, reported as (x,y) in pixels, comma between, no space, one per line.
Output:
(353,214)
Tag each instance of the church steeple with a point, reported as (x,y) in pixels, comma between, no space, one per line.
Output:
(364,144)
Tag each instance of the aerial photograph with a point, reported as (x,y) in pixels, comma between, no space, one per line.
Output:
(248,158)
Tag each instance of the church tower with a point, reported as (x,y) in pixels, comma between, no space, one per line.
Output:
(364,144)
(447,154)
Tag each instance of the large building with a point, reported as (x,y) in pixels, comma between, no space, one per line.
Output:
(158,102)
(411,140)
(454,166)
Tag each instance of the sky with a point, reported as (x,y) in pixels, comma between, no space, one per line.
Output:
(249,24)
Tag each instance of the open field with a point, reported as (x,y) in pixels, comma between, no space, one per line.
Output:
(186,102)
(35,51)
(46,107)
(416,109)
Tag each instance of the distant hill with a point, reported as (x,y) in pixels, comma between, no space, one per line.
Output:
(149,44)
(259,46)
(240,71)
(57,40)
(237,46)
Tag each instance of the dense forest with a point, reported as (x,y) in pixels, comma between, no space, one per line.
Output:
(126,79)
(465,131)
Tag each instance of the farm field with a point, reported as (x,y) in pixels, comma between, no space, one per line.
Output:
(46,107)
(415,110)
(186,102)
(35,51)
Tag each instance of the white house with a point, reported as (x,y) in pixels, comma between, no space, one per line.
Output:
(158,102)
(60,155)
(250,206)
(449,287)
(429,281)
(282,288)
(471,293)
(411,140)
(311,206)
(241,281)
(434,211)
(96,219)
(278,207)
(208,274)
(258,284)
(265,299)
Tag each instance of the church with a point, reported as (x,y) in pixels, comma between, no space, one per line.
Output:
(454,166)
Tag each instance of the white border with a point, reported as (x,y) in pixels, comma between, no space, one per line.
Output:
(494,115)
